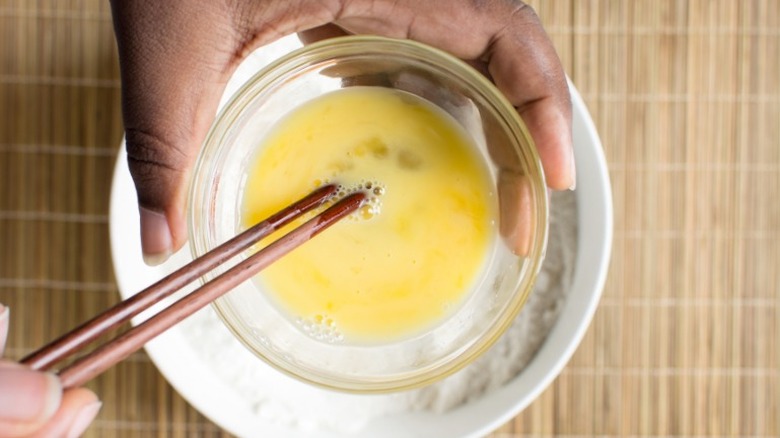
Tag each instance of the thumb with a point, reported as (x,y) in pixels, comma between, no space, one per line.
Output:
(27,399)
(173,74)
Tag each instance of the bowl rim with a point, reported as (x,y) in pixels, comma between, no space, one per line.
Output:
(179,363)
(265,82)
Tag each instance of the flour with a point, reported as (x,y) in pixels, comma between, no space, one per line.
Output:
(281,400)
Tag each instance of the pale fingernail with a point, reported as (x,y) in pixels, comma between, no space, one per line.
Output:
(28,396)
(573,170)
(84,419)
(4,317)
(156,240)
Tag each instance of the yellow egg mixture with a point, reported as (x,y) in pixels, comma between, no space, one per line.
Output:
(412,254)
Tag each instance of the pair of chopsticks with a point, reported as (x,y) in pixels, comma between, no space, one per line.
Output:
(123,346)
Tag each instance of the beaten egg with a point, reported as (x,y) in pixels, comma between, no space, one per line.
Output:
(411,255)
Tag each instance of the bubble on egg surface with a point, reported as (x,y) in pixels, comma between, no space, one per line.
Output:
(320,327)
(372,205)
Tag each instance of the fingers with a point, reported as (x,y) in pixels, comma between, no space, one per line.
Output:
(28,399)
(78,409)
(520,59)
(175,58)
(32,403)
(525,67)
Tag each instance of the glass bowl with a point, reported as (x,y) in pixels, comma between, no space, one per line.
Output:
(502,141)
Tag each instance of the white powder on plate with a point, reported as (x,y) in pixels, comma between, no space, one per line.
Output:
(279,399)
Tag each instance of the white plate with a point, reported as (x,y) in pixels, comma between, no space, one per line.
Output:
(185,369)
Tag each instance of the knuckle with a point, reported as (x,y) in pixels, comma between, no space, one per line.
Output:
(154,164)
(151,151)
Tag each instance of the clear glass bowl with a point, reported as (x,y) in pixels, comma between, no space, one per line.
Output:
(505,145)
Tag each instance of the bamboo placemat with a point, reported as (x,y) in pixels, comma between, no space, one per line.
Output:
(686,97)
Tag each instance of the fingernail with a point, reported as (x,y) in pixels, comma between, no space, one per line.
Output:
(156,240)
(156,259)
(4,317)
(28,396)
(573,171)
(83,419)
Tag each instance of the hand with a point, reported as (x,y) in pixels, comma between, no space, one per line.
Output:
(176,57)
(32,404)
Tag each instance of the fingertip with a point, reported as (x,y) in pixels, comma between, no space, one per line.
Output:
(572,167)
(78,409)
(551,132)
(178,226)
(156,237)
(84,406)
(81,395)
(156,259)
(559,169)
(83,419)
(28,399)
(53,396)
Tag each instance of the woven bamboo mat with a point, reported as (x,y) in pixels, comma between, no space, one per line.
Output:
(686,97)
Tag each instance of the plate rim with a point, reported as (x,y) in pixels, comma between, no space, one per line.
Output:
(218,402)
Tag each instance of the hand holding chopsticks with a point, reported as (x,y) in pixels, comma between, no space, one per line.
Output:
(104,357)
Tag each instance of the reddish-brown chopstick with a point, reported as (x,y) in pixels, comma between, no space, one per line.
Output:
(67,344)
(71,342)
(104,357)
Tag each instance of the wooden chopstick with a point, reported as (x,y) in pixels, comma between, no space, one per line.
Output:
(64,346)
(118,349)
